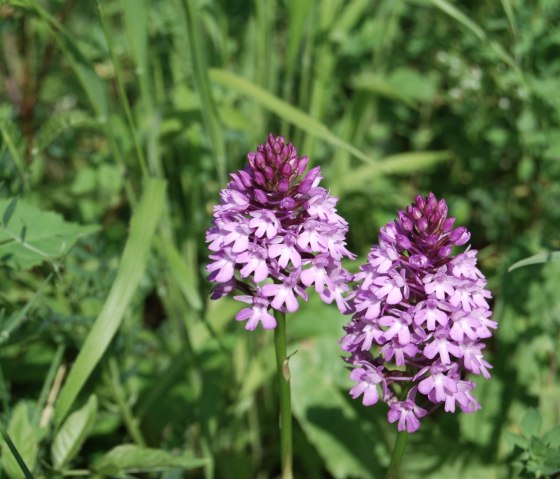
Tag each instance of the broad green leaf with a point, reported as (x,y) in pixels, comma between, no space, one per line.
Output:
(22,434)
(72,434)
(514,440)
(328,421)
(536,259)
(531,423)
(131,270)
(402,163)
(552,437)
(47,235)
(284,110)
(129,458)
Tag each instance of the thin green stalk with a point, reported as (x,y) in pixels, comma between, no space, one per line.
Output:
(4,394)
(130,422)
(285,399)
(203,88)
(17,456)
(122,94)
(397,455)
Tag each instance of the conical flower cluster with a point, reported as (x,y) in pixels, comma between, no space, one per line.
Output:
(420,317)
(275,234)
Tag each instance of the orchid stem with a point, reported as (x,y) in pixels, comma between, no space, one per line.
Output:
(285,399)
(397,455)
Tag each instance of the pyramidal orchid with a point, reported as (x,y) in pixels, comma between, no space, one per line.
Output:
(421,315)
(275,235)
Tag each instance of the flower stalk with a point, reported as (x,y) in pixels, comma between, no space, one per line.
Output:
(285,395)
(397,455)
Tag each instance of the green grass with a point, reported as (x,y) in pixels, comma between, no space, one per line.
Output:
(120,121)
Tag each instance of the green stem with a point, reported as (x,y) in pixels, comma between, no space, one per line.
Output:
(398,452)
(285,400)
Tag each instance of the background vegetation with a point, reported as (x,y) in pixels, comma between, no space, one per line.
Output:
(113,362)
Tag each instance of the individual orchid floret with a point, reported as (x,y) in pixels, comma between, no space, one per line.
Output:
(423,311)
(275,234)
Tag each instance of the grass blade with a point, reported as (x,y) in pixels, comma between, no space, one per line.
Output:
(202,84)
(403,163)
(285,111)
(510,16)
(536,259)
(131,269)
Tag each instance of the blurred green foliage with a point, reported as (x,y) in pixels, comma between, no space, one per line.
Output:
(390,97)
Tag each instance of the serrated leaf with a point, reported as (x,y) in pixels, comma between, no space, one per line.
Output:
(536,259)
(552,437)
(73,433)
(33,236)
(22,434)
(129,458)
(531,423)
(514,440)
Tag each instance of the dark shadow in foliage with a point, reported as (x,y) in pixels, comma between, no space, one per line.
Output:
(348,432)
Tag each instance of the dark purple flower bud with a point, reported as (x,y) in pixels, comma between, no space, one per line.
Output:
(459,236)
(442,208)
(260,196)
(287,203)
(286,170)
(259,178)
(447,225)
(405,222)
(424,315)
(274,235)
(302,164)
(415,213)
(403,241)
(259,160)
(431,205)
(269,173)
(283,186)
(422,225)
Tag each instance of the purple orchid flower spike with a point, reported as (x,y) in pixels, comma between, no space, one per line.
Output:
(275,234)
(425,311)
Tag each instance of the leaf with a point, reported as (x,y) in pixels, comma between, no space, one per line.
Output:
(460,17)
(184,276)
(373,83)
(131,270)
(72,434)
(531,423)
(552,438)
(24,441)
(285,111)
(91,83)
(536,259)
(325,416)
(33,236)
(402,163)
(129,458)
(9,212)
